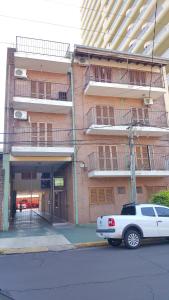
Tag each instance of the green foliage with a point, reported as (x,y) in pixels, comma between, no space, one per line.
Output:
(161,198)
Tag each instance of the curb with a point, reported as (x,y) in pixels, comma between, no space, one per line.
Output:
(91,244)
(23,250)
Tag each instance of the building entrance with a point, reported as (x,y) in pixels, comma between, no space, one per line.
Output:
(38,194)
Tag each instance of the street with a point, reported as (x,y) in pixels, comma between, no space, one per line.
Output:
(90,273)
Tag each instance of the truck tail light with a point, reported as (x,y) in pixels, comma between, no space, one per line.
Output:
(111,222)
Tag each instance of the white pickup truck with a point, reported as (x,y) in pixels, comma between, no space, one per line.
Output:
(136,222)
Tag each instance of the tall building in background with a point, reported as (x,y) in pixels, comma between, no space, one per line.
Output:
(126,25)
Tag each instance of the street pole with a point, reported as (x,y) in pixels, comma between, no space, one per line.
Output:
(132,165)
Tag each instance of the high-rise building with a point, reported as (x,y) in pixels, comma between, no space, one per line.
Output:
(126,25)
(68,118)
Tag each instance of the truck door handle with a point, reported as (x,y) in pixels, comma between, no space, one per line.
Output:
(159,221)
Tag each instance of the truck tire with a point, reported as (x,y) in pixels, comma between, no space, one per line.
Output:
(114,242)
(132,239)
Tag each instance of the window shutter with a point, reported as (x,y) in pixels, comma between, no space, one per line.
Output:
(41,89)
(49,134)
(111,116)
(108,158)
(34,134)
(109,195)
(101,157)
(105,115)
(99,115)
(48,90)
(42,134)
(93,196)
(33,89)
(114,157)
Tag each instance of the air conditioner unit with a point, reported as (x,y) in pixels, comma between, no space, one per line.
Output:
(148,101)
(20,115)
(83,61)
(20,73)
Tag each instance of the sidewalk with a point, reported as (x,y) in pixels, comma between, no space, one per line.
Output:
(49,238)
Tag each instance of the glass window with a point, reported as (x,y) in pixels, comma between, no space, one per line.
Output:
(139,190)
(128,210)
(148,211)
(59,182)
(121,190)
(162,211)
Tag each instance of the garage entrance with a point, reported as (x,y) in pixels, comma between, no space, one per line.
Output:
(38,194)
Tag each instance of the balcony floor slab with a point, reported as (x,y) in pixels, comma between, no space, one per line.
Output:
(42,105)
(104,89)
(121,173)
(41,151)
(124,130)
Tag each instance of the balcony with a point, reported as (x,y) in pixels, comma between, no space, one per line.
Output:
(106,120)
(156,165)
(120,82)
(41,139)
(40,96)
(38,55)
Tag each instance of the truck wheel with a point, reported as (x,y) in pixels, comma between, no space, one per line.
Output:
(132,239)
(114,242)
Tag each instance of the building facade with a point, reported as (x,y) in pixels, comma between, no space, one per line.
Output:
(126,25)
(68,118)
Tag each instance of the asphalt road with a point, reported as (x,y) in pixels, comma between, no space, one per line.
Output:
(88,274)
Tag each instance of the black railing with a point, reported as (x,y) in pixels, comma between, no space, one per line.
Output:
(108,115)
(42,47)
(123,76)
(121,162)
(42,90)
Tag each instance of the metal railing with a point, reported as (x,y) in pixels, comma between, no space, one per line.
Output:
(123,76)
(108,115)
(121,162)
(46,136)
(42,90)
(42,47)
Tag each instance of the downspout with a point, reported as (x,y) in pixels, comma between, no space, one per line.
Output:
(74,163)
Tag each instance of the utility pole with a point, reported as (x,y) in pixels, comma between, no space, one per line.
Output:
(132,164)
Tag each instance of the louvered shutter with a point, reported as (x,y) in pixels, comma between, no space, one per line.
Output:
(42,133)
(48,90)
(34,134)
(114,157)
(111,115)
(99,115)
(101,157)
(49,134)
(33,89)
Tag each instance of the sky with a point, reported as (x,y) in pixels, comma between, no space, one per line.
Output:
(15,20)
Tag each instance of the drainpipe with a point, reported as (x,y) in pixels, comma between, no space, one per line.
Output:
(75,188)
(6,192)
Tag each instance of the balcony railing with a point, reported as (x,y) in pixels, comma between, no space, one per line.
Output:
(123,76)
(122,162)
(42,90)
(108,115)
(41,135)
(42,47)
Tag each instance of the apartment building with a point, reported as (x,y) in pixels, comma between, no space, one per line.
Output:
(67,120)
(126,25)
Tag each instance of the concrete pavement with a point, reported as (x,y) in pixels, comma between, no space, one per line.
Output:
(44,237)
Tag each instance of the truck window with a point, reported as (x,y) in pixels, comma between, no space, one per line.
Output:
(148,211)
(128,210)
(162,211)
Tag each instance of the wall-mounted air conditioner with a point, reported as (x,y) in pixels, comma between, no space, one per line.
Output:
(148,101)
(20,73)
(20,115)
(83,61)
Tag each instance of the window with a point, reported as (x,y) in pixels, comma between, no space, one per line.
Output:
(148,211)
(121,190)
(128,210)
(59,182)
(100,196)
(162,211)
(139,189)
(28,175)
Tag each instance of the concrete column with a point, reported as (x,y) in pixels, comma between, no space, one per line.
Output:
(5,208)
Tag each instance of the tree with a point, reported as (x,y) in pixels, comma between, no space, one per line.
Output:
(161,197)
